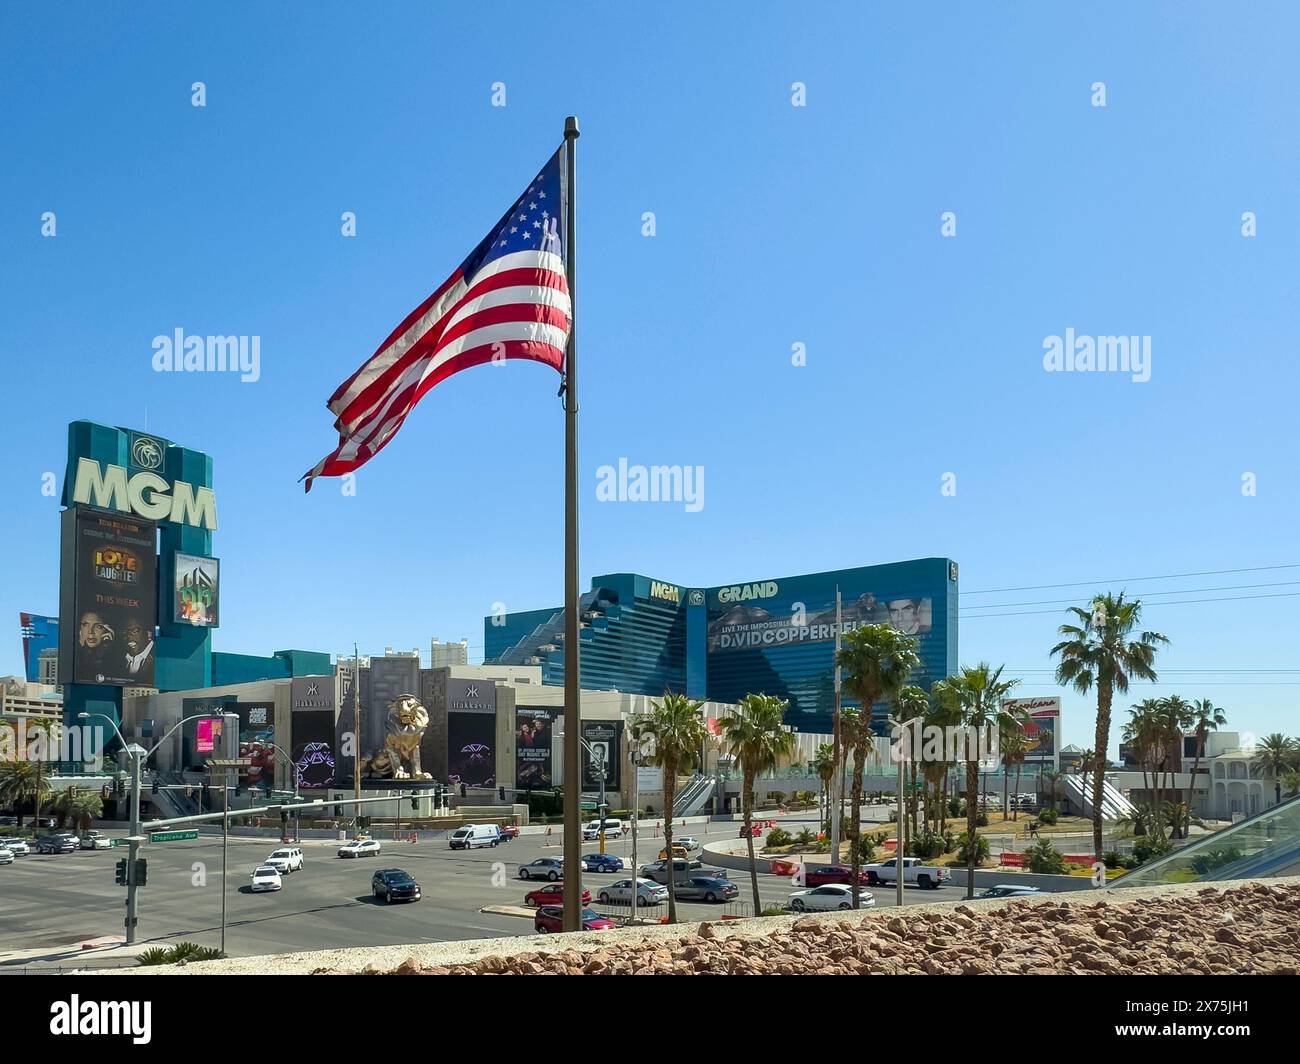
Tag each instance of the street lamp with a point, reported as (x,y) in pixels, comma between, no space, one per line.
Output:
(293,778)
(138,755)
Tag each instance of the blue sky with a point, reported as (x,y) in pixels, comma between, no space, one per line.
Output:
(776,225)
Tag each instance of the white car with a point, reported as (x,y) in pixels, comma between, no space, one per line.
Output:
(648,892)
(96,840)
(266,877)
(6,855)
(829,898)
(17,847)
(359,848)
(689,844)
(286,860)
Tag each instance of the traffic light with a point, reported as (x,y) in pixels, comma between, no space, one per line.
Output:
(141,872)
(155,788)
(338,810)
(120,878)
(463,791)
(437,794)
(501,793)
(415,802)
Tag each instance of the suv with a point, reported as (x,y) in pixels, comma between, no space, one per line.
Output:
(95,840)
(392,884)
(286,860)
(57,844)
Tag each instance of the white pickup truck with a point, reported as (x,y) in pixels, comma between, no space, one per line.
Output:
(914,872)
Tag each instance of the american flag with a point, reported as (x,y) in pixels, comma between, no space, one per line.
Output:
(508,299)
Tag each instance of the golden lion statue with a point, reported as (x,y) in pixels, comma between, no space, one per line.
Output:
(399,758)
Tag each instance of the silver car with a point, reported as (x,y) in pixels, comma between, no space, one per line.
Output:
(706,888)
(17,847)
(648,892)
(551,868)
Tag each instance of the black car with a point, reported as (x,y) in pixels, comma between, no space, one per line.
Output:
(392,884)
(58,844)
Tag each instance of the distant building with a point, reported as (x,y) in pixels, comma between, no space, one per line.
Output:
(442,655)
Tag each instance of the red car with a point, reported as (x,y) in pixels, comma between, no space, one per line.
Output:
(509,831)
(825,875)
(550,918)
(552,894)
(755,831)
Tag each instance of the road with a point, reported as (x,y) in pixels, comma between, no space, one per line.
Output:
(53,901)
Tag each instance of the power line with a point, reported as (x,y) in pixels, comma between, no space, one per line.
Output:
(1145,599)
(1183,602)
(1133,579)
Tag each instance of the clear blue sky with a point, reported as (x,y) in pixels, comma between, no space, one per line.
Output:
(775,225)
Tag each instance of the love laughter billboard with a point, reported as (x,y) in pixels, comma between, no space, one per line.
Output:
(127,474)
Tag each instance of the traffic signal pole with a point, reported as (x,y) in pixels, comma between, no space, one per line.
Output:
(133,846)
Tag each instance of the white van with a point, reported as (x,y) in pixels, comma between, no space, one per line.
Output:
(474,835)
(613,829)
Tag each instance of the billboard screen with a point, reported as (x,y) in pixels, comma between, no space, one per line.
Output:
(471,749)
(534,731)
(196,591)
(39,633)
(1042,715)
(313,749)
(601,738)
(256,736)
(112,563)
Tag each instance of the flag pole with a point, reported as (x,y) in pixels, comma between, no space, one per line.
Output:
(572,708)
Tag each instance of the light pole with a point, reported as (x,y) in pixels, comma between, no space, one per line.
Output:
(138,755)
(293,778)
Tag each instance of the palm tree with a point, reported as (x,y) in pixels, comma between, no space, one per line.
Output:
(1142,732)
(912,704)
(1209,717)
(1291,781)
(1275,756)
(1015,744)
(1098,651)
(824,765)
(1177,715)
(1053,780)
(22,782)
(975,695)
(675,724)
(755,735)
(80,806)
(876,660)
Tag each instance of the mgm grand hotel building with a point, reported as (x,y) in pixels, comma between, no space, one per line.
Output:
(776,636)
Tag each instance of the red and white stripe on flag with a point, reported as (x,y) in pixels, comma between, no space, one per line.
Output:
(509,299)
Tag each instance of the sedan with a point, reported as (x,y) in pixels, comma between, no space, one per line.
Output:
(825,875)
(1011,890)
(6,855)
(509,831)
(550,918)
(551,868)
(552,894)
(688,844)
(265,878)
(828,899)
(93,840)
(18,847)
(648,892)
(359,848)
(57,844)
(601,862)
(706,888)
(392,884)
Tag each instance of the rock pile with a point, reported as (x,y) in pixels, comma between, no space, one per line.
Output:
(1249,929)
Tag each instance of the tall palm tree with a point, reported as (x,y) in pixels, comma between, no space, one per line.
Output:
(1142,731)
(912,704)
(755,735)
(876,660)
(676,725)
(1275,756)
(1177,716)
(1099,652)
(1053,780)
(1209,717)
(976,695)
(1014,747)
(80,806)
(824,765)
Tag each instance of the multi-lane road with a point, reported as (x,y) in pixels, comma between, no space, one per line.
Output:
(52,902)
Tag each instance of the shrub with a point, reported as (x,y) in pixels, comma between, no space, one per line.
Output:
(1048,816)
(1149,846)
(1112,859)
(866,849)
(805,838)
(954,807)
(779,837)
(981,849)
(1213,859)
(982,819)
(776,796)
(180,953)
(1044,858)
(774,910)
(949,842)
(926,844)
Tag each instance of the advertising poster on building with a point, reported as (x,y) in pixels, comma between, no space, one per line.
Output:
(196,591)
(112,561)
(471,749)
(209,731)
(256,736)
(312,753)
(1042,715)
(600,744)
(737,622)
(534,728)
(39,633)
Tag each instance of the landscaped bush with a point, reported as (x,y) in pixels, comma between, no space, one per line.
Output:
(779,837)
(181,952)
(982,819)
(774,910)
(1048,816)
(1044,858)
(1112,859)
(981,849)
(954,807)
(1213,859)
(866,849)
(1149,846)
(927,844)
(805,837)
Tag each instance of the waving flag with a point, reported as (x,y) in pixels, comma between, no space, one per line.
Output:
(508,299)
